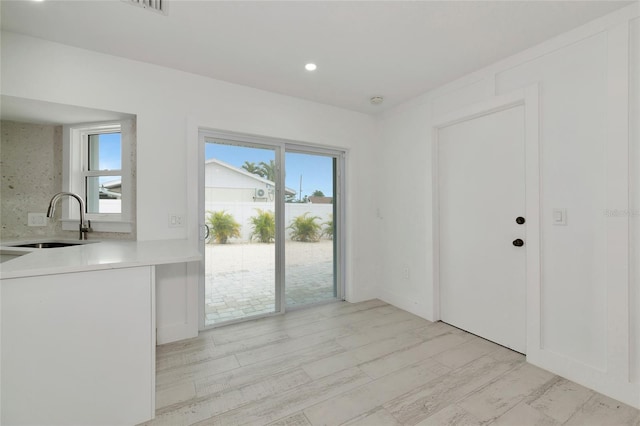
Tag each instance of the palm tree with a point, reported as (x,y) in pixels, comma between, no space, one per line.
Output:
(223,226)
(328,228)
(268,171)
(305,228)
(264,226)
(252,168)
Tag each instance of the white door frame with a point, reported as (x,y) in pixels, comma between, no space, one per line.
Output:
(527,97)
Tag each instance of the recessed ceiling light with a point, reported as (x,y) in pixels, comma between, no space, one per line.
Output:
(310,67)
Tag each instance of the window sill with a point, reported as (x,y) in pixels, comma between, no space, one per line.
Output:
(99,225)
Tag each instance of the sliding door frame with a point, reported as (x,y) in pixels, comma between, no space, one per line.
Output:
(280,146)
(339,213)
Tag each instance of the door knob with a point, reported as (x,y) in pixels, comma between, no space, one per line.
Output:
(520,220)
(518,242)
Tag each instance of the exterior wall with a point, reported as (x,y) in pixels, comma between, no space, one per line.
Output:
(589,302)
(224,184)
(216,174)
(236,195)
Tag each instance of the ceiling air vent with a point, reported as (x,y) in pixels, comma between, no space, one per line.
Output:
(159,6)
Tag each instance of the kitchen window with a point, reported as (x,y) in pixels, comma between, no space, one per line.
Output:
(98,166)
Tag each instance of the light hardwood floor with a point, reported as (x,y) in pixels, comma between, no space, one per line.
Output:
(364,364)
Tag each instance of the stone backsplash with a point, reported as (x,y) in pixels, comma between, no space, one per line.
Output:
(31,169)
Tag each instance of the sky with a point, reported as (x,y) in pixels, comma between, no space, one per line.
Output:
(110,154)
(316,170)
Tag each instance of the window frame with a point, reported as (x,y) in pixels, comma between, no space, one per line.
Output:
(75,171)
(87,172)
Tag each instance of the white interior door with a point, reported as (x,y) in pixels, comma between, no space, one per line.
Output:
(481,194)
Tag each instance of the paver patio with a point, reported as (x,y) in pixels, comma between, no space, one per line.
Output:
(240,277)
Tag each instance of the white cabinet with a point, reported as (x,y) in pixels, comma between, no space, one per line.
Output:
(79,348)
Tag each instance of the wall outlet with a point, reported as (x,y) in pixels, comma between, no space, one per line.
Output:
(176,220)
(37,219)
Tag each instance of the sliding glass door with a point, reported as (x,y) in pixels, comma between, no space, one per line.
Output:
(271,217)
(310,252)
(239,213)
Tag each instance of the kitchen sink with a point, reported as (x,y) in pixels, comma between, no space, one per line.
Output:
(50,244)
(47,245)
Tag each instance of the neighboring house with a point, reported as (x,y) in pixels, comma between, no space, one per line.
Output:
(111,189)
(320,200)
(226,183)
(110,197)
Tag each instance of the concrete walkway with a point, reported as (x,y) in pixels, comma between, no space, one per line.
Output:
(240,278)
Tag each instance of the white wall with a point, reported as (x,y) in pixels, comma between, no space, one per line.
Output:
(170,105)
(589,307)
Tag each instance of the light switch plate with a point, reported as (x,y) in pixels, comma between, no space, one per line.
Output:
(559,216)
(176,220)
(37,219)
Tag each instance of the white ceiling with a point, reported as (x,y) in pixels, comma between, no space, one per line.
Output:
(394,49)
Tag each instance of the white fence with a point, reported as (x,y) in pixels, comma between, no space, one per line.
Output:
(243,211)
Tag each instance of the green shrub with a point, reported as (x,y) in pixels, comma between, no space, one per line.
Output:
(328,228)
(305,228)
(223,226)
(263,226)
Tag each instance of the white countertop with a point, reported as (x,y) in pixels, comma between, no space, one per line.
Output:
(94,256)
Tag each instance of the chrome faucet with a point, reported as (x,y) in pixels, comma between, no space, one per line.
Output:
(85,225)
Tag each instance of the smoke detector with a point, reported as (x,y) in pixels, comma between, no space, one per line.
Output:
(159,6)
(376,100)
